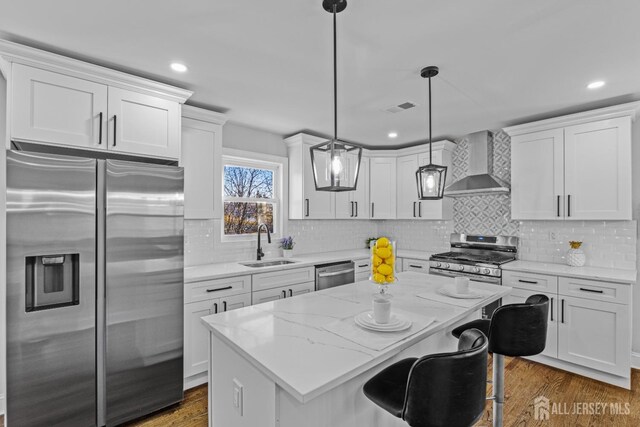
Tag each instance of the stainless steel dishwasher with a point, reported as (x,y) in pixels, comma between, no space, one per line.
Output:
(334,274)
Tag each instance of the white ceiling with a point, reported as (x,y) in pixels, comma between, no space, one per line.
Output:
(268,64)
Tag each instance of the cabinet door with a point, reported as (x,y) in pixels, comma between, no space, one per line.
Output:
(595,334)
(345,207)
(382,187)
(407,192)
(360,197)
(318,204)
(598,170)
(258,297)
(537,175)
(196,337)
(235,302)
(143,124)
(302,288)
(417,265)
(201,151)
(519,296)
(54,108)
(434,209)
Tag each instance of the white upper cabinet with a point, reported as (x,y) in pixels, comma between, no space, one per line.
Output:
(408,204)
(573,167)
(304,201)
(51,107)
(62,101)
(143,124)
(355,204)
(382,187)
(202,162)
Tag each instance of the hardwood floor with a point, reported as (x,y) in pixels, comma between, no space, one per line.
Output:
(524,382)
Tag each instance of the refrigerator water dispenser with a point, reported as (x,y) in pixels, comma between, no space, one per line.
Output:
(52,281)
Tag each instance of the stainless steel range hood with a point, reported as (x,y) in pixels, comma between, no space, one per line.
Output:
(480,179)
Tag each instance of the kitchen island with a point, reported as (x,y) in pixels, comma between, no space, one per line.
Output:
(286,363)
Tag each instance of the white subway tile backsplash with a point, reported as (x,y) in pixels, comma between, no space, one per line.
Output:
(429,236)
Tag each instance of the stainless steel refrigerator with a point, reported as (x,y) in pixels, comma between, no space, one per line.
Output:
(94,289)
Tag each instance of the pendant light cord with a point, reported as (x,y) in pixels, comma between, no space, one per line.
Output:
(335,76)
(430,158)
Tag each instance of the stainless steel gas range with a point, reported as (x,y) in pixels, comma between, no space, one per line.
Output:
(476,257)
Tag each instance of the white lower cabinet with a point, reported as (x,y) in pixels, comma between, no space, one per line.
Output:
(282,292)
(196,335)
(589,329)
(417,265)
(363,269)
(595,334)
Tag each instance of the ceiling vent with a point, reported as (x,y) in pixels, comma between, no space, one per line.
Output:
(401,107)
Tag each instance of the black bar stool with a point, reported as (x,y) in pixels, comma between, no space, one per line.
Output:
(446,389)
(514,330)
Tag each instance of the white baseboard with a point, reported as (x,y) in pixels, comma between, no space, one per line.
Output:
(635,360)
(195,380)
(1,404)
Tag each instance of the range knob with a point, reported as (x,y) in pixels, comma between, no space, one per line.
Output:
(437,264)
(476,269)
(445,265)
(460,267)
(486,271)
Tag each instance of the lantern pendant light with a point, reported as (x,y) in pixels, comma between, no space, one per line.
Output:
(335,163)
(430,178)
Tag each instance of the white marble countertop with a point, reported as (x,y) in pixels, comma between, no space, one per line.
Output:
(286,341)
(595,273)
(227,269)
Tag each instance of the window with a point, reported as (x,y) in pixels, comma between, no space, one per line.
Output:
(251,195)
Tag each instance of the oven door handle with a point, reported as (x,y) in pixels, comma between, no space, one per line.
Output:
(336,273)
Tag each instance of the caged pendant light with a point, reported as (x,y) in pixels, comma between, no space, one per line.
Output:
(335,163)
(430,178)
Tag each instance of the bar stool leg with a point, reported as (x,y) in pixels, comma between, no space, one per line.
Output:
(498,389)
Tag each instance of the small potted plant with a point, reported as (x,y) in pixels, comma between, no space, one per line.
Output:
(287,244)
(575,255)
(368,241)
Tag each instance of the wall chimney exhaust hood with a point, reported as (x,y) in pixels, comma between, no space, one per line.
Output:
(480,179)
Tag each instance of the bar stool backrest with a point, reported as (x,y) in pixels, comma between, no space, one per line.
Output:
(449,389)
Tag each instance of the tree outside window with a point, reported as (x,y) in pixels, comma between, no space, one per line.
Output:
(249,199)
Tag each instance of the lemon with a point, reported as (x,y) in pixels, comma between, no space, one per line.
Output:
(390,279)
(382,242)
(379,278)
(376,260)
(390,261)
(383,253)
(385,269)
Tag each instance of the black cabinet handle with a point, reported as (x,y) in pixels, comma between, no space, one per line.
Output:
(595,291)
(115,129)
(220,289)
(558,213)
(290,293)
(284,294)
(306,207)
(224,306)
(562,311)
(420,209)
(372,209)
(356,209)
(528,281)
(215,307)
(415,266)
(569,205)
(363,265)
(414,209)
(100,130)
(351,203)
(551,311)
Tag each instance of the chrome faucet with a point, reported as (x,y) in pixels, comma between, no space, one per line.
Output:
(260,226)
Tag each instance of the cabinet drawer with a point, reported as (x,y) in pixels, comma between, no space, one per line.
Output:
(276,279)
(417,265)
(362,265)
(530,281)
(595,290)
(208,289)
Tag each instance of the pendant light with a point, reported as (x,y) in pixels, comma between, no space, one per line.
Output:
(336,163)
(430,178)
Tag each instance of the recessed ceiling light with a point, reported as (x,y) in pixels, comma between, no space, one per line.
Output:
(393,134)
(178,67)
(595,85)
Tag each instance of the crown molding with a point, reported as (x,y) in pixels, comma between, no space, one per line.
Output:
(17,53)
(196,113)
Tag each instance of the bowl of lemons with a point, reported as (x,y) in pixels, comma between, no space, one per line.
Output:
(383,261)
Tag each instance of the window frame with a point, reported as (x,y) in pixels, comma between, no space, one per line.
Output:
(278,165)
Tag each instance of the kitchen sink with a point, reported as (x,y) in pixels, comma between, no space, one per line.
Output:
(259,264)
